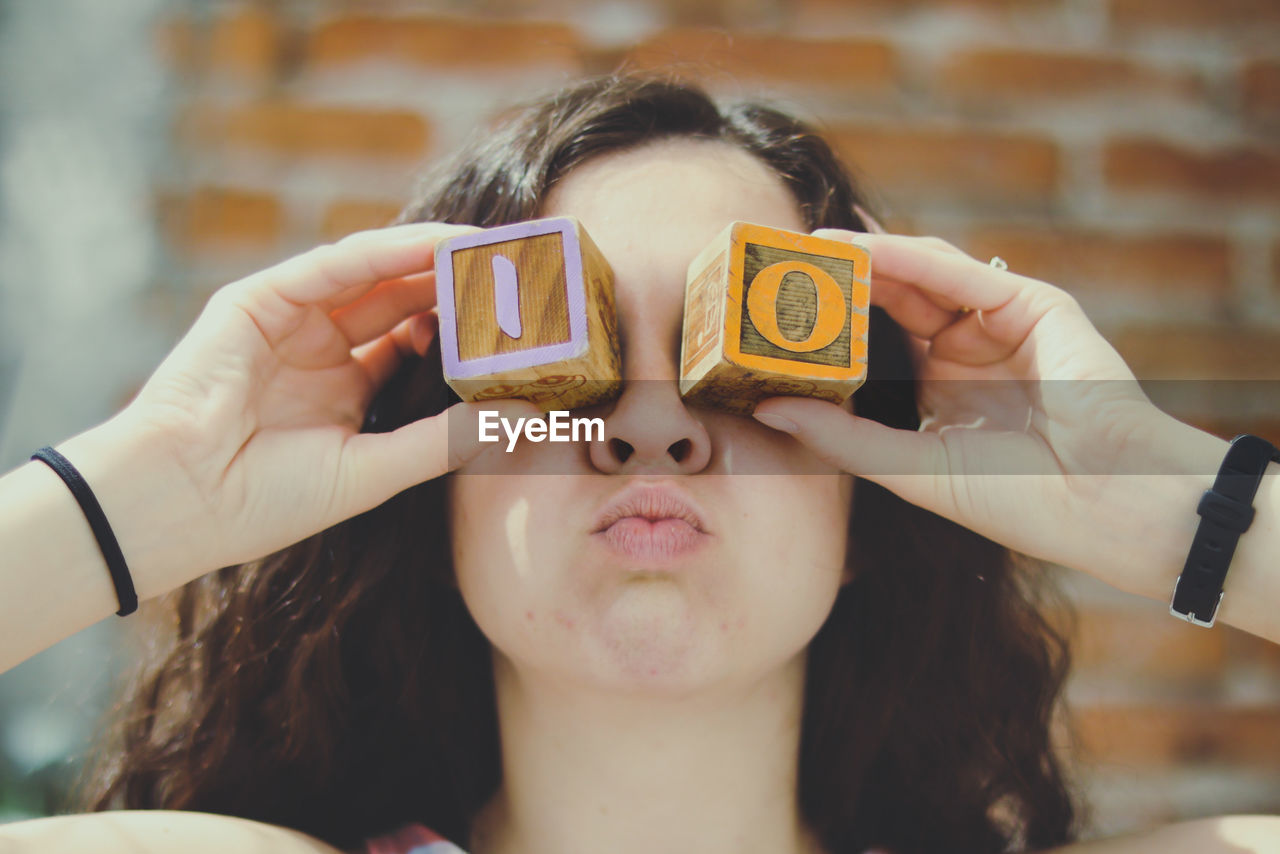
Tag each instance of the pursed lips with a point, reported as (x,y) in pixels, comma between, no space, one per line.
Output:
(651,523)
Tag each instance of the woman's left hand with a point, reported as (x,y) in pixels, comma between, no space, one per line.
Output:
(1034,432)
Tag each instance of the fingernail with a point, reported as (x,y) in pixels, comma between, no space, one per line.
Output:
(777,422)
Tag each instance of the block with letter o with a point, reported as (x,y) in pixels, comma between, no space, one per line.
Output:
(527,310)
(773,312)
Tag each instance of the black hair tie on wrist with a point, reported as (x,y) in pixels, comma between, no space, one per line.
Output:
(125,594)
(1226,512)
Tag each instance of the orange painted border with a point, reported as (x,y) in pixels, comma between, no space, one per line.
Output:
(744,233)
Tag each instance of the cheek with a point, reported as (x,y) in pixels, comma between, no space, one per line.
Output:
(505,543)
(486,525)
(808,516)
(792,542)
(527,458)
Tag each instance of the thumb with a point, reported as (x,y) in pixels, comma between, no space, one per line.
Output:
(376,466)
(906,462)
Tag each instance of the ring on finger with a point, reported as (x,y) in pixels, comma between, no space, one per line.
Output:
(997,262)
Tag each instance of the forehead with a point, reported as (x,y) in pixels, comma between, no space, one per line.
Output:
(661,203)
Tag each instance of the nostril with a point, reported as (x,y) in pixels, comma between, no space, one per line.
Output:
(621,450)
(680,450)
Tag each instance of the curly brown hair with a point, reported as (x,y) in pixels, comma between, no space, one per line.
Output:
(310,688)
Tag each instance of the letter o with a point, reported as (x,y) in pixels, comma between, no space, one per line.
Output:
(762,306)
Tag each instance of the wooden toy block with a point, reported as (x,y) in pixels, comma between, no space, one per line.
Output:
(527,310)
(771,312)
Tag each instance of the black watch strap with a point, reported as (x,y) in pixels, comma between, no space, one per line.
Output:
(1226,511)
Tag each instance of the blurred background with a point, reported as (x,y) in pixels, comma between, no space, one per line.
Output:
(1127,150)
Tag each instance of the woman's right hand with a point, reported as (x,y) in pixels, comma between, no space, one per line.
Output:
(255,416)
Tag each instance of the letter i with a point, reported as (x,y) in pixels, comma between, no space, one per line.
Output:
(506,295)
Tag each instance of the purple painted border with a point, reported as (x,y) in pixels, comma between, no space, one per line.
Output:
(454,368)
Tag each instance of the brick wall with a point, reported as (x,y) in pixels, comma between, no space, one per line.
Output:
(1122,149)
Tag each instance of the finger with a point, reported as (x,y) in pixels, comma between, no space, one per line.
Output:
(873,225)
(360,260)
(919,348)
(1011,305)
(875,228)
(376,466)
(921,314)
(385,305)
(909,463)
(946,272)
(911,308)
(951,274)
(381,357)
(936,243)
(414,336)
(943,302)
(969,341)
(353,265)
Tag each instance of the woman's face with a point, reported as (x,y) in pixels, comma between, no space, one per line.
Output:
(691,546)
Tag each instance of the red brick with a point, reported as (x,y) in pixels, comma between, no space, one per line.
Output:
(1275,267)
(851,65)
(972,167)
(223,216)
(344,217)
(245,42)
(998,19)
(444,43)
(176,41)
(727,13)
(296,129)
(921,7)
(1143,15)
(984,75)
(1169,735)
(1089,260)
(1261,85)
(1221,352)
(1157,166)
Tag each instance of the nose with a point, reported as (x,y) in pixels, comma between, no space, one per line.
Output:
(650,431)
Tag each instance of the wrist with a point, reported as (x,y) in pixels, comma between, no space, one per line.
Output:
(1150,524)
(1147,522)
(1252,585)
(153,519)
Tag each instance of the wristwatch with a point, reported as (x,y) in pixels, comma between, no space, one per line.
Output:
(1226,511)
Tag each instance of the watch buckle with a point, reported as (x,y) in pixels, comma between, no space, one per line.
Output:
(1190,616)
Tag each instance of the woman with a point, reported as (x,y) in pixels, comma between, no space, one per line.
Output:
(826,668)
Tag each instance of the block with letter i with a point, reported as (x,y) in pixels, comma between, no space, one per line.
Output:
(527,310)
(771,312)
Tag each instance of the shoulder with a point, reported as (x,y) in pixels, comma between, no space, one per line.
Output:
(1233,834)
(412,839)
(154,832)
